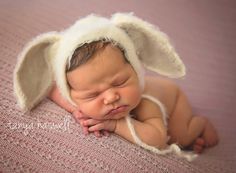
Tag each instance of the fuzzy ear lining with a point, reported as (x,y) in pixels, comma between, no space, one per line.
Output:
(33,73)
(152,46)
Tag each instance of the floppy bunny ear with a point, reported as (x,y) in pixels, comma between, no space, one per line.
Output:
(33,74)
(152,46)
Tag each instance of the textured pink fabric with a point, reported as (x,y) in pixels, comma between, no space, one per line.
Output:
(203,33)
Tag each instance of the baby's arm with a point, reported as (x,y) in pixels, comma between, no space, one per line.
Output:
(56,97)
(148,126)
(148,133)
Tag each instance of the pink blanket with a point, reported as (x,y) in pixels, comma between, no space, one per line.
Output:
(47,139)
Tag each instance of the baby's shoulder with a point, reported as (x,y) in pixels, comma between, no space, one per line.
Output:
(156,83)
(146,109)
(161,89)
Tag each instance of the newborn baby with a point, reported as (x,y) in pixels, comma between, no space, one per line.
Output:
(97,65)
(106,89)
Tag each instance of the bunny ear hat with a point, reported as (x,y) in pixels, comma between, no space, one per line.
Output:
(44,59)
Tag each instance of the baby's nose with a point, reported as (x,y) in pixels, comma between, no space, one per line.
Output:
(111,97)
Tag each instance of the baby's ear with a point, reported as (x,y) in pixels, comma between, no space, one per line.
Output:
(33,72)
(152,46)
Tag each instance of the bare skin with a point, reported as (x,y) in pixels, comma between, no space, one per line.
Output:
(184,128)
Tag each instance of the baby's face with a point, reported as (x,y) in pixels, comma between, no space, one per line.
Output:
(106,87)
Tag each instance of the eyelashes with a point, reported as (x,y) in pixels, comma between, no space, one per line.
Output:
(92,95)
(120,83)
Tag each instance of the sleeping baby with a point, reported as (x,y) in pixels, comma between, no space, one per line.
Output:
(97,65)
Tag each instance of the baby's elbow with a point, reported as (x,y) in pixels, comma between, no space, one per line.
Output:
(158,140)
(161,143)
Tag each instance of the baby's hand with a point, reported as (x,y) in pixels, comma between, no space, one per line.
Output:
(100,125)
(55,96)
(81,118)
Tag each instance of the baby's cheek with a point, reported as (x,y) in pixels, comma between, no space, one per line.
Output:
(133,95)
(91,109)
(85,109)
(73,98)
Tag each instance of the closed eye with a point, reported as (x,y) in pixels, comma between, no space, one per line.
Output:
(120,83)
(91,96)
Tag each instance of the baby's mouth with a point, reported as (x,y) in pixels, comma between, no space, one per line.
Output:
(117,110)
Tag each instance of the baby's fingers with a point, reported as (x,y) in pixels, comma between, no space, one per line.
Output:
(78,115)
(96,127)
(85,130)
(97,134)
(90,122)
(101,133)
(106,133)
(108,125)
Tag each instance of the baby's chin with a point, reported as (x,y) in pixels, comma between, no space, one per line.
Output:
(120,115)
(110,117)
(116,116)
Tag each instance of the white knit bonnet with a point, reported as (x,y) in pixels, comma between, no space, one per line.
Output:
(44,59)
